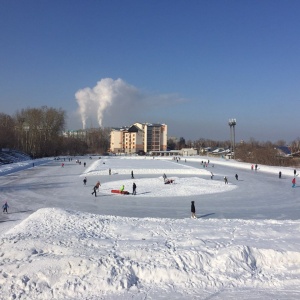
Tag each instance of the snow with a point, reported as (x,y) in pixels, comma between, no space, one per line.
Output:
(60,242)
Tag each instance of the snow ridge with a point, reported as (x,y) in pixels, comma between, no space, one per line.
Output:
(61,254)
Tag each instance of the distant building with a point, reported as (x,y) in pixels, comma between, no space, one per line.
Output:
(139,138)
(188,151)
(78,134)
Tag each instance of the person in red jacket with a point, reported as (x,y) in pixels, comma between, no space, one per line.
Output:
(294,182)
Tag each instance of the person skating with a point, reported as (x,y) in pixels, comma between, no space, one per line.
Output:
(225,180)
(193,210)
(236,176)
(84,181)
(132,177)
(279,174)
(134,189)
(5,207)
(294,182)
(109,171)
(95,188)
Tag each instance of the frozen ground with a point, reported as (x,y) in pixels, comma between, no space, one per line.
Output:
(60,242)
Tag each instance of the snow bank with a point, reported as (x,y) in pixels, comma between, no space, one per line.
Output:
(57,254)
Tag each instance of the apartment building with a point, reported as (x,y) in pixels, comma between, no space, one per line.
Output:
(139,137)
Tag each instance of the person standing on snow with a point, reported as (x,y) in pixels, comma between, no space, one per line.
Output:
(5,207)
(94,191)
(96,188)
(165,177)
(193,210)
(132,177)
(134,189)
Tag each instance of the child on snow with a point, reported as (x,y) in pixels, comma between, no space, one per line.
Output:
(5,207)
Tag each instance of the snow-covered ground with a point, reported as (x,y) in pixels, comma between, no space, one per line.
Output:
(60,242)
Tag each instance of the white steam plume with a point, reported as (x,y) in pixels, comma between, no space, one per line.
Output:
(99,98)
(122,102)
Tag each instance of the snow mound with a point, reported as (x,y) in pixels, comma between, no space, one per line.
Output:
(57,254)
(155,187)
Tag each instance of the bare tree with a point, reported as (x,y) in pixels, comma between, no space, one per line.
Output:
(38,130)
(7,133)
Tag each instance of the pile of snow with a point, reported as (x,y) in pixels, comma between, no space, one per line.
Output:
(57,254)
(181,186)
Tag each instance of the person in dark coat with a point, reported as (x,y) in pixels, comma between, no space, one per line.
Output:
(134,189)
(193,210)
(279,174)
(132,175)
(84,181)
(236,176)
(95,188)
(5,207)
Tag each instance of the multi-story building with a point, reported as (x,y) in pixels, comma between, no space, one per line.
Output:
(140,137)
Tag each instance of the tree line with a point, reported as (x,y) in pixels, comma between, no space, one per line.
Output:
(38,132)
(253,151)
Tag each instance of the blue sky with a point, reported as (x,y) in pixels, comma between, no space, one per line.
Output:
(190,64)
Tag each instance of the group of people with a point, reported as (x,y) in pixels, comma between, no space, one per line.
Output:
(256,167)
(293,180)
(133,189)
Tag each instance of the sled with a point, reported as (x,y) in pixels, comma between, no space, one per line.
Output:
(120,192)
